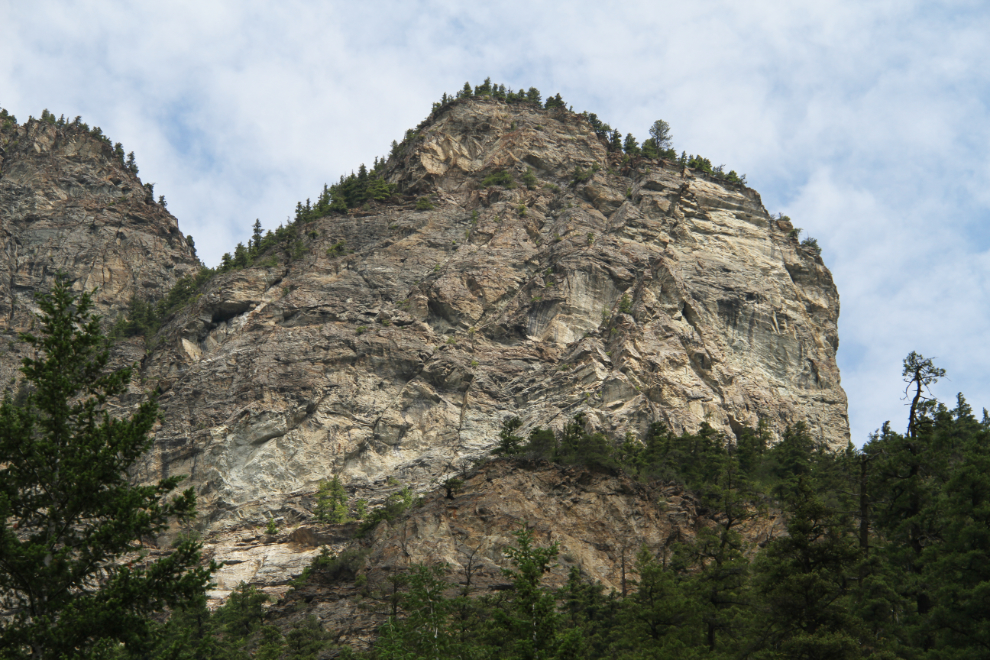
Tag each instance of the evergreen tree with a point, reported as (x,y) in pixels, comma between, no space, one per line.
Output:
(805,581)
(68,511)
(256,235)
(630,146)
(615,140)
(484,89)
(659,617)
(555,102)
(331,502)
(509,444)
(650,148)
(660,133)
(241,256)
(530,623)
(426,631)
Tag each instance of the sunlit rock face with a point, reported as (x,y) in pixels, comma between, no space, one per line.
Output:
(69,205)
(647,293)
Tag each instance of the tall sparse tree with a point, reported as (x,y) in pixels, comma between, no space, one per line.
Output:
(256,234)
(660,132)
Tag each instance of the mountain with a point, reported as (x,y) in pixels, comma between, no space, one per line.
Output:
(513,265)
(69,203)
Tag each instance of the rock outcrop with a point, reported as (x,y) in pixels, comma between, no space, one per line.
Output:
(398,340)
(69,204)
(390,343)
(598,519)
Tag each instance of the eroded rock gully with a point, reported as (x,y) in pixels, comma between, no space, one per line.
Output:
(649,292)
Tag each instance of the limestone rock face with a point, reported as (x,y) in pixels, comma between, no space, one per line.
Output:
(387,345)
(599,521)
(394,342)
(68,204)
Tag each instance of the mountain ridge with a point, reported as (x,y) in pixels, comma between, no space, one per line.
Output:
(516,266)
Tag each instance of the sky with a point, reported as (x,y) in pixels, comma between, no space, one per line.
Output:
(867,123)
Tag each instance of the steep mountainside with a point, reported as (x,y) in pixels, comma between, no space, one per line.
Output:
(394,341)
(600,521)
(388,344)
(68,203)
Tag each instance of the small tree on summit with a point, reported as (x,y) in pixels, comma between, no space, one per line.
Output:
(660,132)
(630,146)
(256,234)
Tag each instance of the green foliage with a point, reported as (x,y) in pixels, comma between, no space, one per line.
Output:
(342,567)
(424,204)
(234,631)
(499,178)
(350,192)
(331,502)
(660,135)
(631,145)
(484,89)
(555,102)
(271,528)
(581,175)
(68,510)
(509,444)
(702,164)
(811,244)
(395,505)
(144,318)
(529,179)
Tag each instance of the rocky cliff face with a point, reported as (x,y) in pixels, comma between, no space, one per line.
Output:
(390,343)
(400,339)
(68,204)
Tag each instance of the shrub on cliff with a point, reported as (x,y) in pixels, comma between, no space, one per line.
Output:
(499,178)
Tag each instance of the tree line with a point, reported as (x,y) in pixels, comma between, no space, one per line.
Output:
(884,556)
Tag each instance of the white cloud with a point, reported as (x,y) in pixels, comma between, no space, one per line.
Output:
(866,122)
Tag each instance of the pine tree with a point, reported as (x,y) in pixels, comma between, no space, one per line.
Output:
(660,132)
(68,512)
(331,502)
(630,146)
(509,444)
(531,622)
(256,235)
(805,581)
(484,89)
(615,143)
